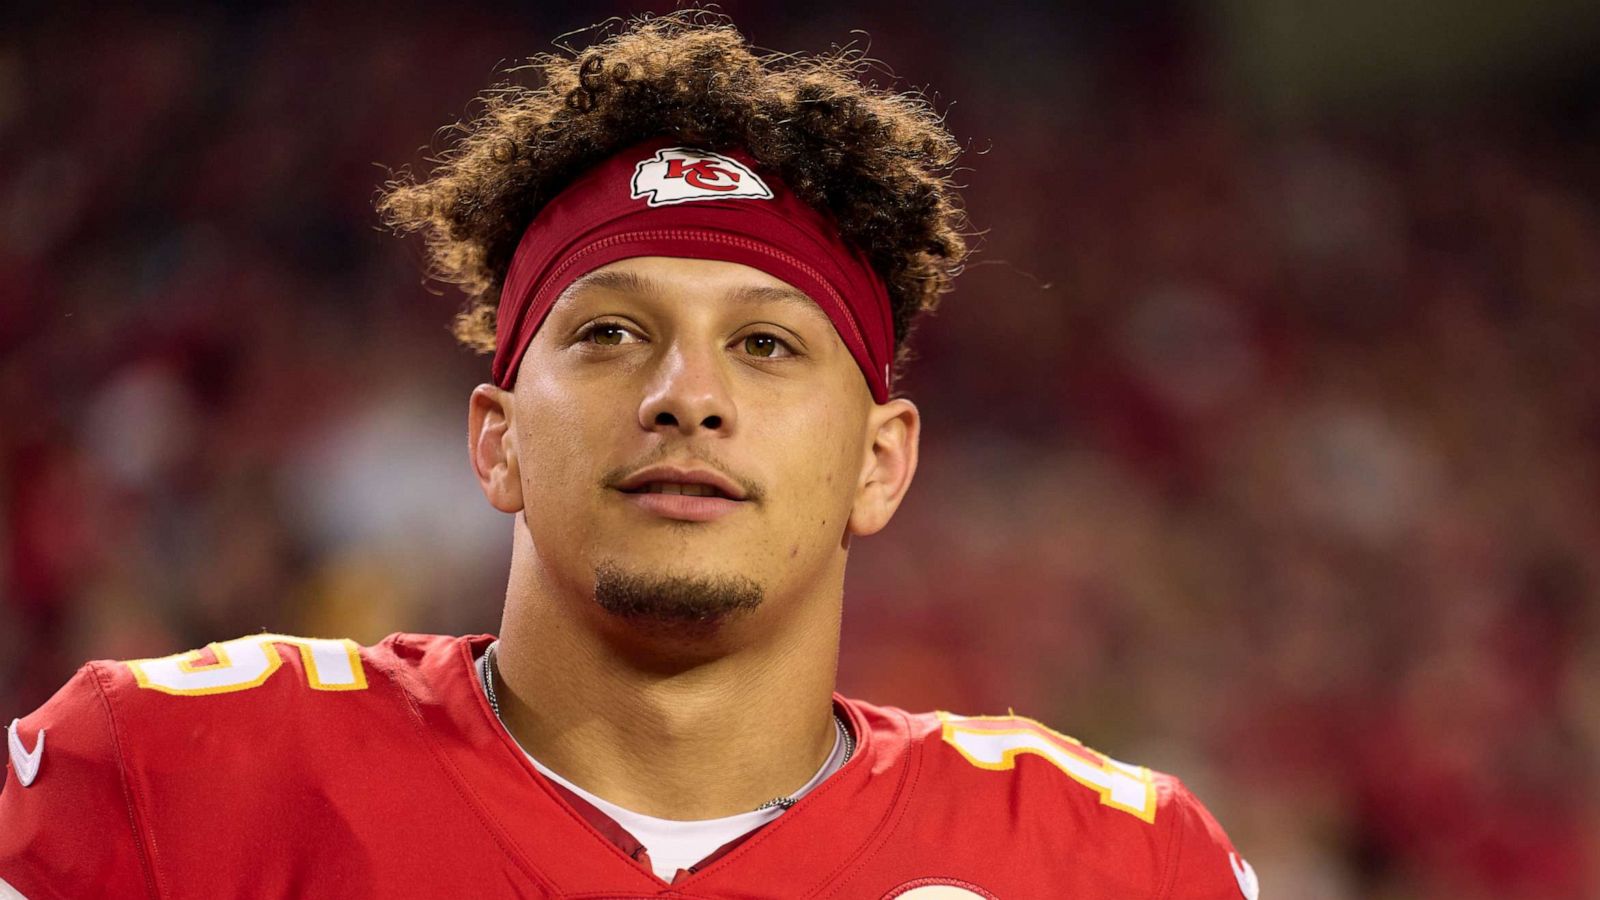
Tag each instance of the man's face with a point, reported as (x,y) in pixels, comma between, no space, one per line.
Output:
(693,429)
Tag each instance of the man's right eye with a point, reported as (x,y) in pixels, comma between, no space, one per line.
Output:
(606,334)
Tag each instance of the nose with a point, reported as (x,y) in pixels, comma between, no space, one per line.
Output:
(688,392)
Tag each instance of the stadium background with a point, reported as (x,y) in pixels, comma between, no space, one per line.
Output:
(1261,434)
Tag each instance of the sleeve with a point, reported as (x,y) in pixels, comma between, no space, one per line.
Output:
(1203,864)
(67,819)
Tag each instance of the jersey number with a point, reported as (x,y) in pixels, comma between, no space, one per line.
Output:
(247,662)
(995,742)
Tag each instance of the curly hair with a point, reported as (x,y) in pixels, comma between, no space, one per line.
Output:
(881,163)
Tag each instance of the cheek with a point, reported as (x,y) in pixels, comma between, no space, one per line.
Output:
(558,437)
(824,450)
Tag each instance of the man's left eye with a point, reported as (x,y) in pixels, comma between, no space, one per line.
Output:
(766,346)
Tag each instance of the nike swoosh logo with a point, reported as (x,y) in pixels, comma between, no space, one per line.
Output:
(1249,885)
(23,762)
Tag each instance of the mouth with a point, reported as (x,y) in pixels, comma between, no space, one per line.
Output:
(687,493)
(678,488)
(680,501)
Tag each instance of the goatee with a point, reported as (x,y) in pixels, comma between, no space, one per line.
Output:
(693,602)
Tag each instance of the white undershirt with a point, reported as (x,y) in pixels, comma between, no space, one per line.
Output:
(675,844)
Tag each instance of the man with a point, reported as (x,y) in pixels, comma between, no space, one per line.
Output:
(695,268)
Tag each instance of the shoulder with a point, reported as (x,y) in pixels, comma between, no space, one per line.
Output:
(78,718)
(1018,777)
(65,802)
(282,664)
(237,704)
(132,750)
(240,688)
(1015,760)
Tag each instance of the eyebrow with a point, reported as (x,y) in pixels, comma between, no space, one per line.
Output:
(623,281)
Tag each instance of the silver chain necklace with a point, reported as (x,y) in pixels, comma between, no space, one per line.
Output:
(486,668)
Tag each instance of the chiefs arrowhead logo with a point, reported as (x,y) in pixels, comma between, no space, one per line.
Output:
(683,174)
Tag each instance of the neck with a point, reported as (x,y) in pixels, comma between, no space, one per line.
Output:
(672,726)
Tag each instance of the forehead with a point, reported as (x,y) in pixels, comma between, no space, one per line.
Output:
(676,279)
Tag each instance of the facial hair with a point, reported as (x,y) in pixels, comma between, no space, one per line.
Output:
(692,602)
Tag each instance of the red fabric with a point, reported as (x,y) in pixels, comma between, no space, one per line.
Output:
(597,220)
(407,787)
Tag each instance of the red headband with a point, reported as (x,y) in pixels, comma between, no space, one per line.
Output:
(660,199)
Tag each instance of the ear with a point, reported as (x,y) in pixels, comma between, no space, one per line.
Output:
(492,445)
(894,429)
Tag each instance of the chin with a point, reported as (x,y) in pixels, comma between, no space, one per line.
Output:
(673,596)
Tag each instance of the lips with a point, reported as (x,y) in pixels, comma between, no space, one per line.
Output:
(676,480)
(683,507)
(687,495)
(686,490)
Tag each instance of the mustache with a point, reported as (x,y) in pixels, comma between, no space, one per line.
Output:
(668,456)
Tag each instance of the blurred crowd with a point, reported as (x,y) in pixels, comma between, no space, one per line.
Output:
(1259,451)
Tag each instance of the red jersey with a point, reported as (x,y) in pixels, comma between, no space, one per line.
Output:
(274,766)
